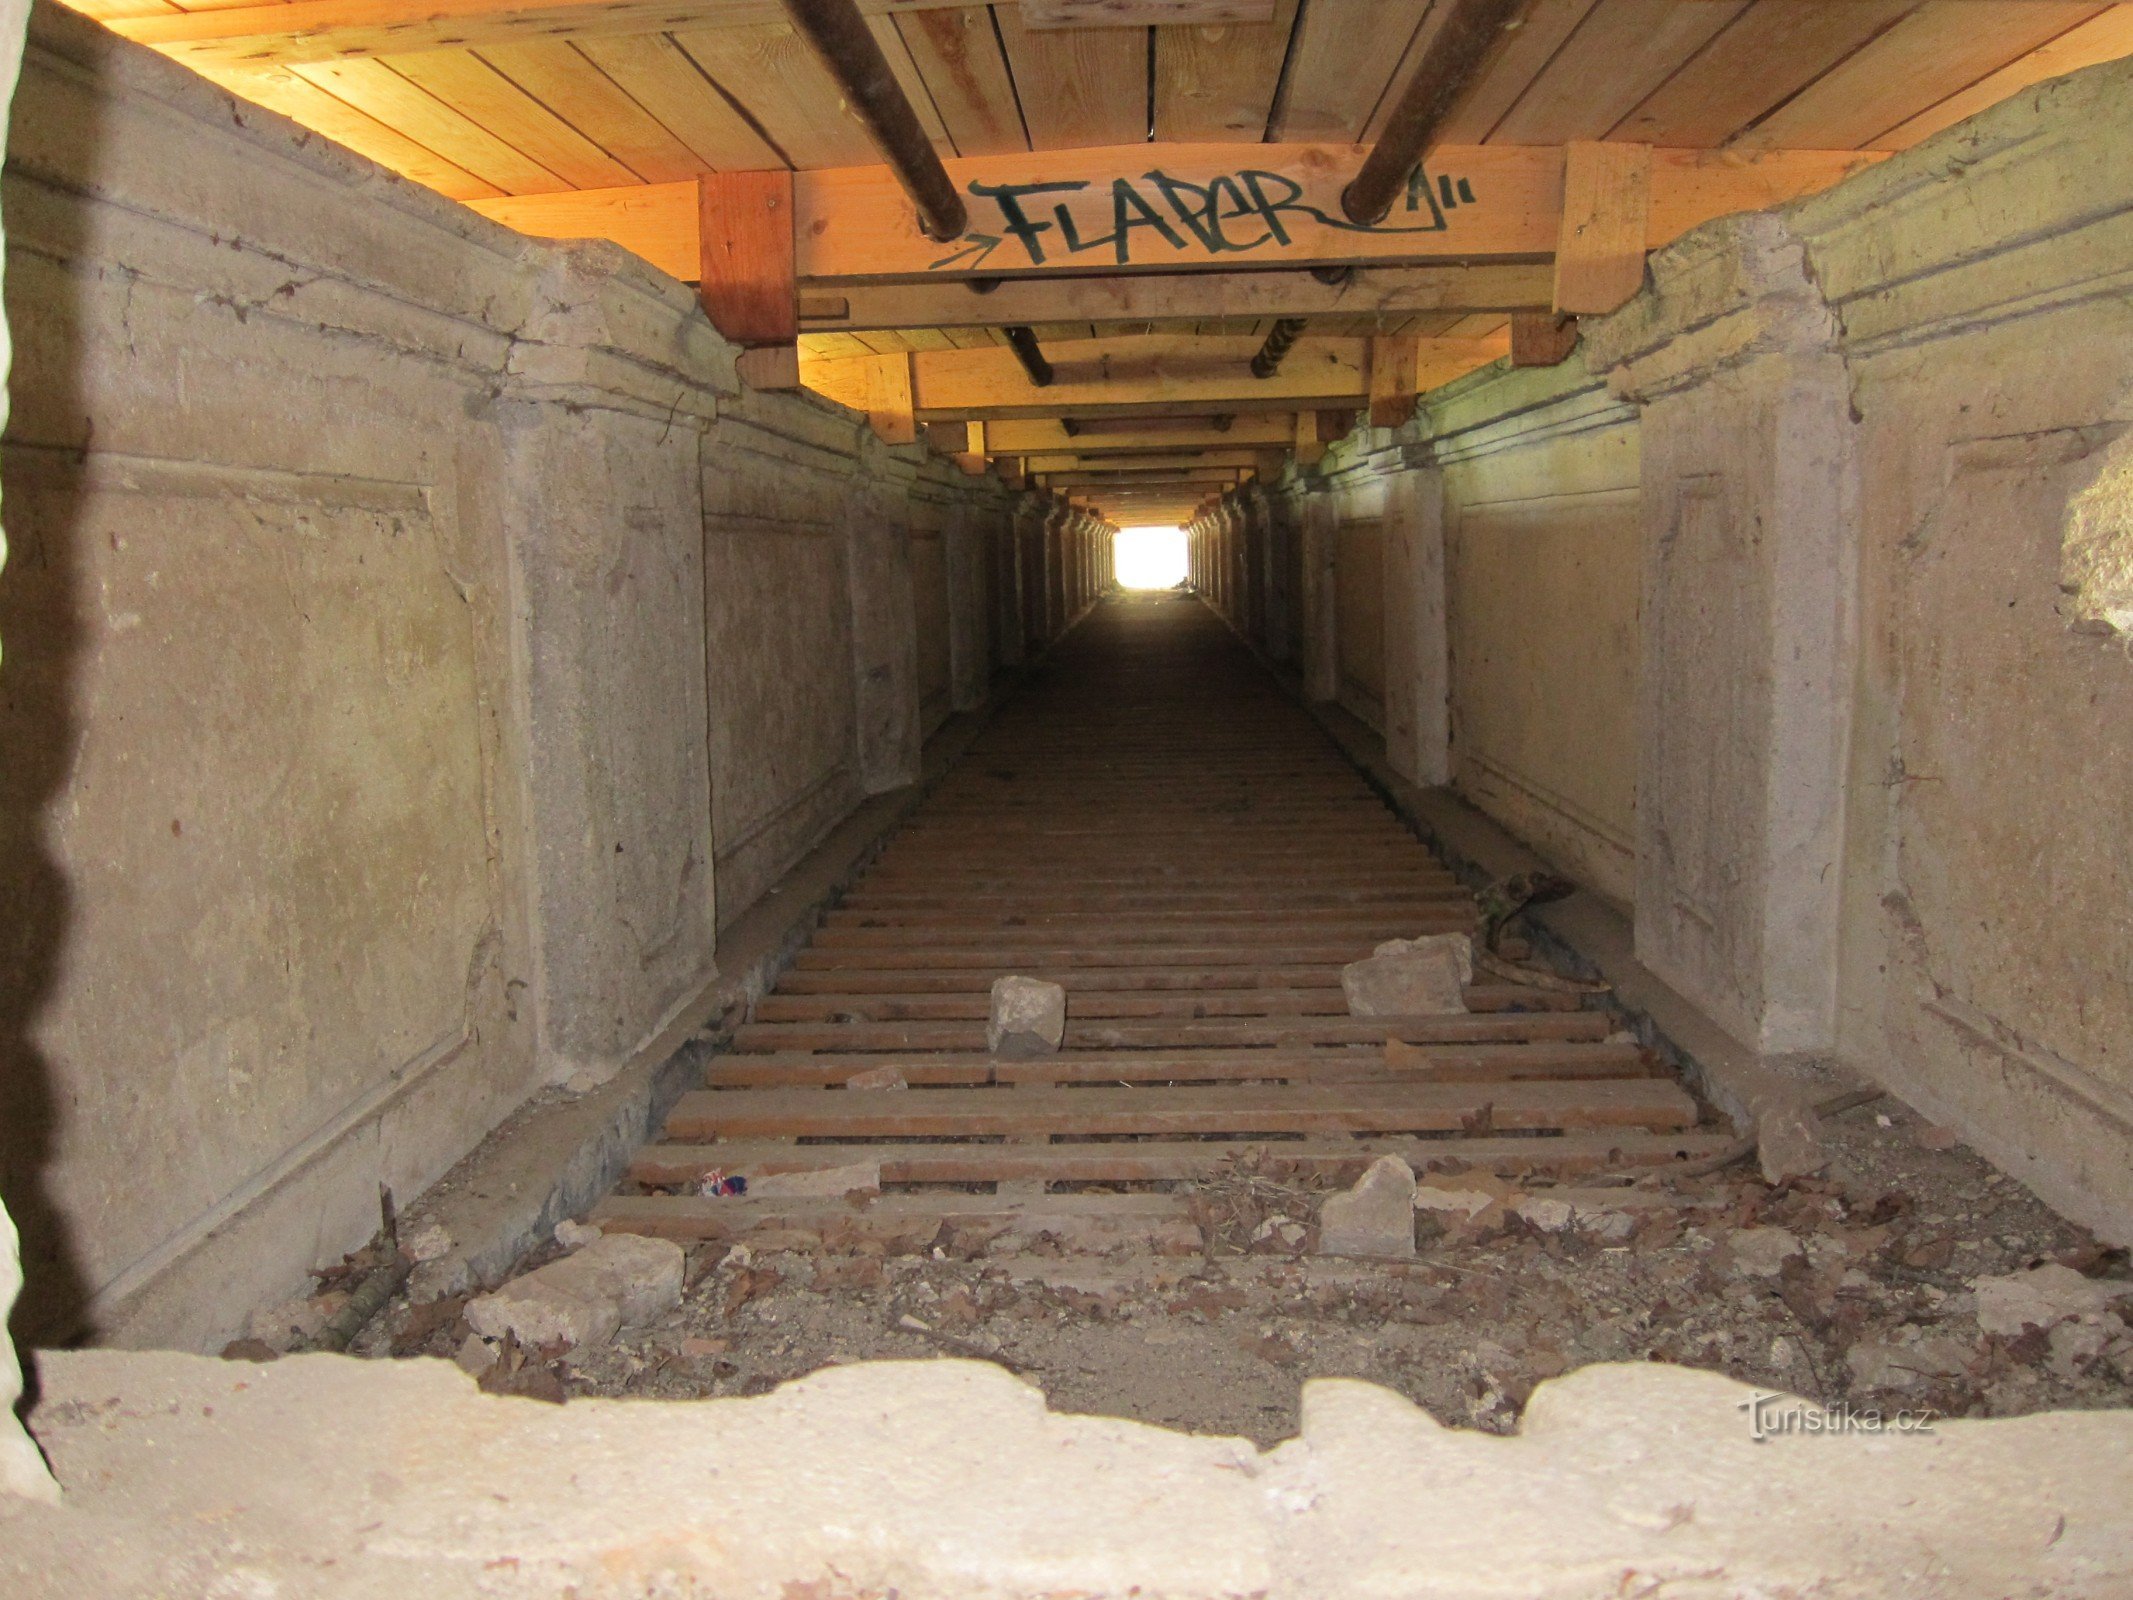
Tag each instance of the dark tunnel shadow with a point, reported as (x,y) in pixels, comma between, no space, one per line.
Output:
(43,638)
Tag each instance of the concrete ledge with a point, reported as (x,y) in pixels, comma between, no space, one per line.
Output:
(561,1152)
(1589,937)
(335,1478)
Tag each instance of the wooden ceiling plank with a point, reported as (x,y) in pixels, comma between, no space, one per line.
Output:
(1548,26)
(555,73)
(1087,14)
(1619,54)
(1345,55)
(1079,87)
(1941,45)
(879,385)
(833,346)
(1599,256)
(772,73)
(279,89)
(2107,37)
(913,84)
(375,89)
(1769,53)
(1220,83)
(253,34)
(477,90)
(958,57)
(653,71)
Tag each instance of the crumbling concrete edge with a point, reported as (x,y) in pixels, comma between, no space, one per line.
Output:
(560,1152)
(1585,936)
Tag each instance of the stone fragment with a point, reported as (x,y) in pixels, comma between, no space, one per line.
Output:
(1375,1218)
(1550,1216)
(1907,1361)
(1466,1195)
(1788,1142)
(2077,1344)
(1933,1136)
(1028,1017)
(575,1235)
(295,1321)
(430,1243)
(1763,1252)
(1411,977)
(582,1300)
(475,1355)
(857,1177)
(877,1078)
(2040,1298)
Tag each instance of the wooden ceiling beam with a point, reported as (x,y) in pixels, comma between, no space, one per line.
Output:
(1392,292)
(1104,214)
(1049,436)
(1150,462)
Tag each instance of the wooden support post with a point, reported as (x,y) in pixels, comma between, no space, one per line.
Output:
(745,251)
(889,407)
(1394,370)
(1541,339)
(1607,200)
(1309,451)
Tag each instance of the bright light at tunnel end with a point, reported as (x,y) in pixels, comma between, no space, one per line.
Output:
(1149,558)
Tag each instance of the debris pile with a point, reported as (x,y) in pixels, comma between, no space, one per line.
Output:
(1902,1276)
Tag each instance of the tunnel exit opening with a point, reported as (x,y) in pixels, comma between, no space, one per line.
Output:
(1149,558)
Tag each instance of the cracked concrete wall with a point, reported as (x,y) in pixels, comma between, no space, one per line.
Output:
(1983,286)
(408,625)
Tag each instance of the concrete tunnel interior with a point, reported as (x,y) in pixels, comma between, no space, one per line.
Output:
(1111,797)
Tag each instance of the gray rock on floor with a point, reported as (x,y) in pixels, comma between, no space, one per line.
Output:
(1375,1218)
(1411,977)
(1028,1017)
(2042,1297)
(583,1300)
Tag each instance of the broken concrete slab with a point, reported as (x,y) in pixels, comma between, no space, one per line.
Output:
(585,1298)
(1375,1218)
(22,1469)
(1028,1017)
(183,1472)
(2042,1297)
(1411,977)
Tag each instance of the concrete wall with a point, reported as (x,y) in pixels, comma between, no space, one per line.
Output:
(1792,611)
(417,644)
(1542,553)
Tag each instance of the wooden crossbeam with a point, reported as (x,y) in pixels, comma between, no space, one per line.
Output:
(1146,370)
(1134,209)
(1392,293)
(1141,462)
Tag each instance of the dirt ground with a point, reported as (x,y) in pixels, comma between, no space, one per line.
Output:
(1855,1286)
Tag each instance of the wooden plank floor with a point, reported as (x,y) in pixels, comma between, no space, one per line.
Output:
(1152,824)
